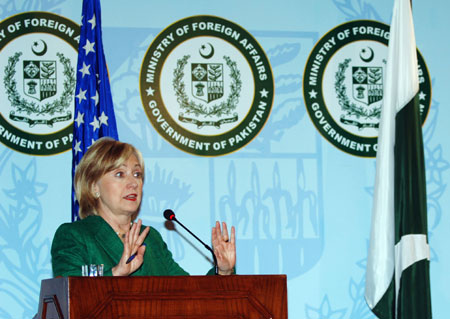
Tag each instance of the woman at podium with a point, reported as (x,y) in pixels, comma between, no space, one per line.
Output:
(108,186)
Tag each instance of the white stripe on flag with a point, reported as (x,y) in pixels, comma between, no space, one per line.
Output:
(402,75)
(409,250)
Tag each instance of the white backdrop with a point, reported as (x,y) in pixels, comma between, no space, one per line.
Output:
(301,206)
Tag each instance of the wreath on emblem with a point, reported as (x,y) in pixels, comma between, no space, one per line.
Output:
(351,109)
(190,107)
(22,105)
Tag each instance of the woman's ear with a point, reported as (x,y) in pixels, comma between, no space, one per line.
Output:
(95,191)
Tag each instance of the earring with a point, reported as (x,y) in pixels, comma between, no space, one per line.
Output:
(97,195)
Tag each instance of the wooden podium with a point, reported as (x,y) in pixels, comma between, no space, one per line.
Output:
(175,297)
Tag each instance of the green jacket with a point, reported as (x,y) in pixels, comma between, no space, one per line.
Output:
(93,241)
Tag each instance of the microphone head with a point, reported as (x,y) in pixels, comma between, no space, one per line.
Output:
(169,214)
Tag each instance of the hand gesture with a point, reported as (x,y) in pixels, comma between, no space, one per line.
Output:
(132,244)
(224,248)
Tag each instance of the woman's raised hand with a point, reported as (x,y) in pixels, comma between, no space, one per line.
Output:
(132,244)
(224,247)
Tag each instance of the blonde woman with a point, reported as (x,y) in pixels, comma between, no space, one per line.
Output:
(108,185)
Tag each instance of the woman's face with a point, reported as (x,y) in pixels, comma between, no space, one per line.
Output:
(121,189)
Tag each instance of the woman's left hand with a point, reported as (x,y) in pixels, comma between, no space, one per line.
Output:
(224,248)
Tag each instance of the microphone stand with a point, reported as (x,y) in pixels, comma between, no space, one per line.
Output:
(172,217)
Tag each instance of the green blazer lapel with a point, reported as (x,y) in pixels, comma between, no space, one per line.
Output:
(106,239)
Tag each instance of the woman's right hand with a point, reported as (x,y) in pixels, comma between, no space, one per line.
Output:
(132,244)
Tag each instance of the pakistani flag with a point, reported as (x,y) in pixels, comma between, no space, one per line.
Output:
(397,276)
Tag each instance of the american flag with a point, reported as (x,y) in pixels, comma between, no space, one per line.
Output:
(94,111)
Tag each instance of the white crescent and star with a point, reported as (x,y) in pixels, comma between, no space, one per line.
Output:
(366,54)
(39,48)
(204,51)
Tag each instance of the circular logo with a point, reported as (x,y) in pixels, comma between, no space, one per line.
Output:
(343,85)
(38,52)
(206,85)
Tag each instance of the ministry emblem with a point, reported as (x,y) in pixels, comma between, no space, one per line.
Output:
(206,86)
(343,85)
(38,83)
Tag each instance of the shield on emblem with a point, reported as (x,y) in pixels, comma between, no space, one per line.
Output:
(207,81)
(39,79)
(367,84)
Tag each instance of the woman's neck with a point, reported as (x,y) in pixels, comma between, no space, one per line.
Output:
(121,224)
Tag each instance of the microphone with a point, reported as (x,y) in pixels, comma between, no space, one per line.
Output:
(170,215)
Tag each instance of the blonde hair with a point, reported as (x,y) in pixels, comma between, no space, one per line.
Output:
(105,155)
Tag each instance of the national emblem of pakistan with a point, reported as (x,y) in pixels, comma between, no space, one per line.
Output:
(207,85)
(43,97)
(359,90)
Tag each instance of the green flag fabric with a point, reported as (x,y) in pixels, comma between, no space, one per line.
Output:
(397,274)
